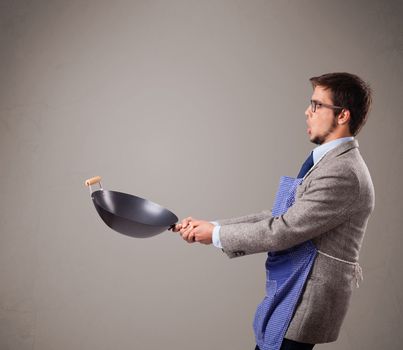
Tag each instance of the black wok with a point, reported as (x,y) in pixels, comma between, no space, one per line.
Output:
(131,215)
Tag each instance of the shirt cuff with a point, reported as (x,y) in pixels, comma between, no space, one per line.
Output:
(216,236)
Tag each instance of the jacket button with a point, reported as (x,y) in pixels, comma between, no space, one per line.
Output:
(239,253)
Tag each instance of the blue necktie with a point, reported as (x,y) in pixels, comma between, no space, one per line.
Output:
(306,166)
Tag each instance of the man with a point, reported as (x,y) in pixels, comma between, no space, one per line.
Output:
(315,236)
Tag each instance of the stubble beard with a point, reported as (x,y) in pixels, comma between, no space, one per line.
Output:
(320,139)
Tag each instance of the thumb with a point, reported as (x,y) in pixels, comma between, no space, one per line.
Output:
(196,223)
(185,222)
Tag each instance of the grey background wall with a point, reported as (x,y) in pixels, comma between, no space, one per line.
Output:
(198,106)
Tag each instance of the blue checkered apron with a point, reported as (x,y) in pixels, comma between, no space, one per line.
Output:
(286,273)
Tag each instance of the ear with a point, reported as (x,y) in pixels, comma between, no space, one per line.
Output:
(344,117)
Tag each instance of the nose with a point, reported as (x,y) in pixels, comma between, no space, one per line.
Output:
(308,111)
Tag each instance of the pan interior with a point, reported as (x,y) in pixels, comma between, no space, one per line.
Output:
(134,208)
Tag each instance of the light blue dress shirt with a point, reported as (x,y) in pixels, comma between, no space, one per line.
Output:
(318,153)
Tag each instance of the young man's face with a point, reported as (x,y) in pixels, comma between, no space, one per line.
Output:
(322,123)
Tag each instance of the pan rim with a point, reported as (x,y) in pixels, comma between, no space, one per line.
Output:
(126,218)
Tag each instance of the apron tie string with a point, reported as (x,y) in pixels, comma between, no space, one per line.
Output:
(357,268)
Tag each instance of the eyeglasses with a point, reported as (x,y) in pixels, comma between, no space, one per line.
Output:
(315,104)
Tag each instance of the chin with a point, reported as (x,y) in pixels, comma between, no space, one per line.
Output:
(316,140)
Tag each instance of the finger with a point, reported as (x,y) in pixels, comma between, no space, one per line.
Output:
(191,237)
(176,228)
(187,228)
(185,232)
(194,233)
(186,221)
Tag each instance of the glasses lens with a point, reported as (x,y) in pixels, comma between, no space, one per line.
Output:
(313,106)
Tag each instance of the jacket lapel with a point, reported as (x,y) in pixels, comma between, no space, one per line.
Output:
(340,149)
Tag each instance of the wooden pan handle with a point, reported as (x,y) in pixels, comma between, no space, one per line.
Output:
(94,180)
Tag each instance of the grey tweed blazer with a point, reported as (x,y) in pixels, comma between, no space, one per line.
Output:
(332,208)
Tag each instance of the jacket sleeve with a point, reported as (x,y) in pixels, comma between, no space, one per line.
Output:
(325,203)
(250,218)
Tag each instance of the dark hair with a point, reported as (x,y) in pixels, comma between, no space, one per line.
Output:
(350,92)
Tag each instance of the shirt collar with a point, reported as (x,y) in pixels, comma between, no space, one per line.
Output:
(321,150)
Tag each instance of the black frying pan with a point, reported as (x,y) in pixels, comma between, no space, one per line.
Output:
(133,216)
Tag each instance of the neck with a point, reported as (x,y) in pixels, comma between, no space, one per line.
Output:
(337,135)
